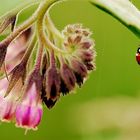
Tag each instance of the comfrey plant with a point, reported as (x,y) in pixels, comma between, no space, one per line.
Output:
(39,64)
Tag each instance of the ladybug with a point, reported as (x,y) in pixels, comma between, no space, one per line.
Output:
(138,56)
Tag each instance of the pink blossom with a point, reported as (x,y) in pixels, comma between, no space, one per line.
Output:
(7,104)
(29,111)
(15,51)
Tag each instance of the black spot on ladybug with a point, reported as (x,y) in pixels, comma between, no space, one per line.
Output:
(138,50)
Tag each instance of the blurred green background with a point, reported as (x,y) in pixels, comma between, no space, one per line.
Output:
(107,107)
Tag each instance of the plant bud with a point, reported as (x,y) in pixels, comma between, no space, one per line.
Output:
(19,72)
(80,71)
(52,81)
(52,84)
(68,78)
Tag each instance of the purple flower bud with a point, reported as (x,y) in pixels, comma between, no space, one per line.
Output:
(19,72)
(90,65)
(86,55)
(86,44)
(52,81)
(52,84)
(80,70)
(63,88)
(68,78)
(48,102)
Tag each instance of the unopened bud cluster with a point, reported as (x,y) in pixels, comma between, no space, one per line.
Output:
(38,67)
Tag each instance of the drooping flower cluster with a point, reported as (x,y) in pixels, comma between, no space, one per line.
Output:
(38,68)
(67,70)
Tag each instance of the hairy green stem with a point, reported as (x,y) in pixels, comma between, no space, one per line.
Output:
(44,5)
(39,26)
(51,27)
(41,34)
(54,34)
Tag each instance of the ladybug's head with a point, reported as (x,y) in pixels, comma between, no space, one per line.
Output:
(138,50)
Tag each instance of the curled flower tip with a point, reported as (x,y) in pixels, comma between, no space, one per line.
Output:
(29,111)
(82,53)
(3,51)
(68,79)
(18,73)
(52,85)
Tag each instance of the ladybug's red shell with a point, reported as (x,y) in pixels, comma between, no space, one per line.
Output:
(138,58)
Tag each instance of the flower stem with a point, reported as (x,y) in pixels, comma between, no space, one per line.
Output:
(39,58)
(44,5)
(44,42)
(43,39)
(51,27)
(53,33)
(40,31)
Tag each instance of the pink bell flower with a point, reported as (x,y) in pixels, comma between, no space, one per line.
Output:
(7,104)
(29,111)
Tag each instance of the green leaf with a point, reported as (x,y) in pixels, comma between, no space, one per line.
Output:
(122,10)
